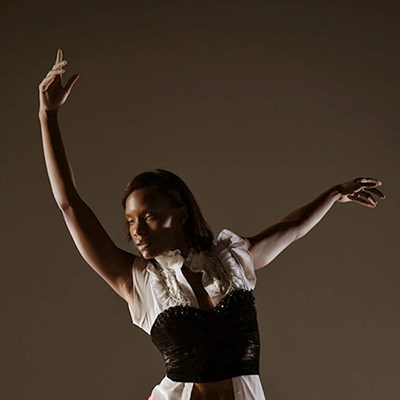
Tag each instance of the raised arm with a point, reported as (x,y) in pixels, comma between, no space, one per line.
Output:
(266,245)
(96,247)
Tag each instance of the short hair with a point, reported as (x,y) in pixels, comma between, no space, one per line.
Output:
(197,231)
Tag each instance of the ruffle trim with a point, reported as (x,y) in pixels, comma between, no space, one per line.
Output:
(228,264)
(235,256)
(164,282)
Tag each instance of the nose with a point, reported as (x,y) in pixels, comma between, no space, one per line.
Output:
(139,228)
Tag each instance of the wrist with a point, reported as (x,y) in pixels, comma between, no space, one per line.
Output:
(47,113)
(335,192)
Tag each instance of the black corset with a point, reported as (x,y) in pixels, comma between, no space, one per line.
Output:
(209,345)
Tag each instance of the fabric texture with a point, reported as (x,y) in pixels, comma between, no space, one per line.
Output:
(210,345)
(227,267)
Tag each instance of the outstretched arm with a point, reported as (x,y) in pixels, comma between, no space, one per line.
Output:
(266,245)
(96,247)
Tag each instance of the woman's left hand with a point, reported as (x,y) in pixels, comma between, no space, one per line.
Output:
(359,191)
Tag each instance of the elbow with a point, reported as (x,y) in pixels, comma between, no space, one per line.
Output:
(64,206)
(300,230)
(67,202)
(291,230)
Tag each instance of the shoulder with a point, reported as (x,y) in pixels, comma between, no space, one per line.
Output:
(228,238)
(137,278)
(233,251)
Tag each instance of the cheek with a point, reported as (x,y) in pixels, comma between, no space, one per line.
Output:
(168,222)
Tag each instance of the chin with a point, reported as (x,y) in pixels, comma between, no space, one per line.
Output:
(152,251)
(148,254)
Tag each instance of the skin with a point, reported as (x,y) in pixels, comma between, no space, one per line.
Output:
(156,226)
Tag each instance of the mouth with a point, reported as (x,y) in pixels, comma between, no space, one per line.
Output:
(142,245)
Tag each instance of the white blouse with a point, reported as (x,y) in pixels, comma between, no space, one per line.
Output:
(229,266)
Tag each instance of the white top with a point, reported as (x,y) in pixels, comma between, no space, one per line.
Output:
(229,266)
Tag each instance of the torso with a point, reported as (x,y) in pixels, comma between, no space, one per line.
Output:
(222,390)
(195,281)
(162,295)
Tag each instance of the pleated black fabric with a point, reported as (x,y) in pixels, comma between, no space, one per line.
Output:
(209,345)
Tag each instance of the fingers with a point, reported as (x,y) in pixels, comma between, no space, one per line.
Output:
(360,191)
(369,199)
(369,182)
(369,185)
(365,198)
(358,199)
(55,72)
(377,192)
(46,82)
(59,65)
(59,56)
(71,83)
(51,75)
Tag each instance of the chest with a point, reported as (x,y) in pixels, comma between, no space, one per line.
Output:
(195,280)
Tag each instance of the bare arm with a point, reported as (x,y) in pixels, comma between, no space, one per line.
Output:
(96,247)
(266,245)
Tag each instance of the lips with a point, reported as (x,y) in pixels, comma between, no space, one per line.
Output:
(142,245)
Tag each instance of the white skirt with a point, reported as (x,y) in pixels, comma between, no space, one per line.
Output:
(245,387)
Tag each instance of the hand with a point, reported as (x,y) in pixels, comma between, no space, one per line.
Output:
(51,93)
(359,191)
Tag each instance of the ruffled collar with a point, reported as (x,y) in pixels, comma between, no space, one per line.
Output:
(167,278)
(173,259)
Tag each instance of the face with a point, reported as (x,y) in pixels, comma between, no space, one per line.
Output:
(154,225)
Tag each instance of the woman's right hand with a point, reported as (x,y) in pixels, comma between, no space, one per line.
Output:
(51,93)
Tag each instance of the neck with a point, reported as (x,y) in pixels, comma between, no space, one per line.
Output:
(182,245)
(184,249)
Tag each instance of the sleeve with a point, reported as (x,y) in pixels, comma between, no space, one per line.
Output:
(235,255)
(141,301)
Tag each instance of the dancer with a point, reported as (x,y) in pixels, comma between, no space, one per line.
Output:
(191,292)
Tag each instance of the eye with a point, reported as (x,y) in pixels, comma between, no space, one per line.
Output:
(150,217)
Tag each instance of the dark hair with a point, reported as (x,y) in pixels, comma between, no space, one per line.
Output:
(197,231)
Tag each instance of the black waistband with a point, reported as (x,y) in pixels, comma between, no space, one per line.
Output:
(209,345)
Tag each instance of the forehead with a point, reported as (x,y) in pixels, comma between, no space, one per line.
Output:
(146,199)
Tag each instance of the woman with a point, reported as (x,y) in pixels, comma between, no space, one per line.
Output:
(191,293)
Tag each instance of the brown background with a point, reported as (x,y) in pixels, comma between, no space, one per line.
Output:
(259,106)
